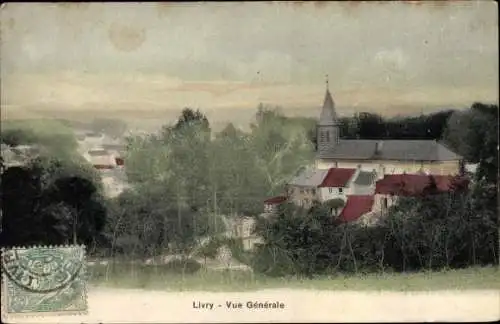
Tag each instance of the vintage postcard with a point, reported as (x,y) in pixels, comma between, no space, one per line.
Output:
(234,162)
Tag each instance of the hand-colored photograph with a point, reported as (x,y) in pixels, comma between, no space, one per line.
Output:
(285,161)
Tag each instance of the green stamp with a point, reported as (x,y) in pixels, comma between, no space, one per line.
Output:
(44,281)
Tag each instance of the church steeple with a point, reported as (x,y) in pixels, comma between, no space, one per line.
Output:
(328,115)
(328,130)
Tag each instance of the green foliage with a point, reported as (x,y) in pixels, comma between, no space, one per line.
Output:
(428,232)
(237,250)
(57,138)
(210,249)
(229,174)
(190,118)
(474,134)
(335,204)
(297,241)
(150,221)
(365,125)
(445,230)
(187,266)
(43,204)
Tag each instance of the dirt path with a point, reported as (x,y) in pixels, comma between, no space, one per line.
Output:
(141,306)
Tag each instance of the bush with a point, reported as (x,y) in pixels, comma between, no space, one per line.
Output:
(272,261)
(187,266)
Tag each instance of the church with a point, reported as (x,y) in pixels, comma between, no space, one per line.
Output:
(384,156)
(367,175)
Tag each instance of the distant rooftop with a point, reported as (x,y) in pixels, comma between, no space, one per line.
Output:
(98,152)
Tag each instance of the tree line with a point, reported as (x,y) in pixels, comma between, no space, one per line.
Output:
(434,231)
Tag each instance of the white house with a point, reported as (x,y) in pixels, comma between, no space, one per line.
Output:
(100,158)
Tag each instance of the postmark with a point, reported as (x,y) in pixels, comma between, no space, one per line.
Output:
(44,281)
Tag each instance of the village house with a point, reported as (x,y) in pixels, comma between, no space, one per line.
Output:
(393,186)
(327,184)
(362,173)
(100,158)
(243,228)
(271,204)
(111,169)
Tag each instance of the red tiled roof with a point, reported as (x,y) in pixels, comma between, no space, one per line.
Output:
(410,184)
(337,177)
(355,207)
(275,200)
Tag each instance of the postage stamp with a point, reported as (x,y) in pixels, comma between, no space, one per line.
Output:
(44,280)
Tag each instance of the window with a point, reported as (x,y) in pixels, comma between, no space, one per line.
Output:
(384,203)
(330,190)
(313,191)
(328,136)
(341,190)
(322,136)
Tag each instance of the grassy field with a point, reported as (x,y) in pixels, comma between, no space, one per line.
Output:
(156,278)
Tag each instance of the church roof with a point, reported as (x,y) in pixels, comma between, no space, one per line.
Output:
(309,178)
(328,115)
(402,150)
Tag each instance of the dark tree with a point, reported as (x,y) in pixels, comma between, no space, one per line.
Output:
(87,214)
(189,117)
(21,192)
(39,210)
(371,126)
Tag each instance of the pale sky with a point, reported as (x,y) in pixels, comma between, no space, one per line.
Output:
(224,57)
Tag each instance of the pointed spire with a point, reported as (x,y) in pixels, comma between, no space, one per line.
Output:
(328,115)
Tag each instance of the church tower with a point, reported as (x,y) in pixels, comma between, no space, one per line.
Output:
(328,127)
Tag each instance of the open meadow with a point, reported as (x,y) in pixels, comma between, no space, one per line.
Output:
(157,278)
